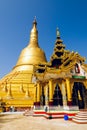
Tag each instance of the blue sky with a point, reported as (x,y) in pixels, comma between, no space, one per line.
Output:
(16,17)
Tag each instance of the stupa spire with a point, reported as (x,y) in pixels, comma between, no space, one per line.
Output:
(34,35)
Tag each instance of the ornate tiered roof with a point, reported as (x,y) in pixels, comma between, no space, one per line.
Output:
(61,63)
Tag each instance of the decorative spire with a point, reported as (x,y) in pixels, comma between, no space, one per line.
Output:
(59,51)
(27,93)
(57,33)
(5,87)
(9,95)
(34,35)
(35,22)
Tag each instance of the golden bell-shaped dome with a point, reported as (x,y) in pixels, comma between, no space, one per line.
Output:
(32,54)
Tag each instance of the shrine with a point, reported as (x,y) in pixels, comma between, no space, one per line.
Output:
(34,81)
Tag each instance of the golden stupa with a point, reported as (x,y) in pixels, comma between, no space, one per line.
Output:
(16,88)
(33,81)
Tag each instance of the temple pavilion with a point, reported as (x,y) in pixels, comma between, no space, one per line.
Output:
(34,81)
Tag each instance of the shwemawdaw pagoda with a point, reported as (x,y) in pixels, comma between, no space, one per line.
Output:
(34,81)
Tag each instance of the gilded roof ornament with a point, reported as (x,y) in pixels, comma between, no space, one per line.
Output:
(35,22)
(57,32)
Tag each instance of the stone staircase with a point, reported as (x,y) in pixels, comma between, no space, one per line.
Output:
(80,117)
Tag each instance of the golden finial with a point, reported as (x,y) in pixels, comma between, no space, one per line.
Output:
(57,32)
(35,22)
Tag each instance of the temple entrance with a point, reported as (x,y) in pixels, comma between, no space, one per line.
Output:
(79,95)
(42,98)
(57,97)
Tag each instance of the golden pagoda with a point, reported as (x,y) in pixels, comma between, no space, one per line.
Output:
(16,88)
(33,81)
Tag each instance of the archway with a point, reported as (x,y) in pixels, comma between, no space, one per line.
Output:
(78,95)
(57,97)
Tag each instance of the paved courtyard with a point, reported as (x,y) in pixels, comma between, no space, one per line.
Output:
(20,122)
